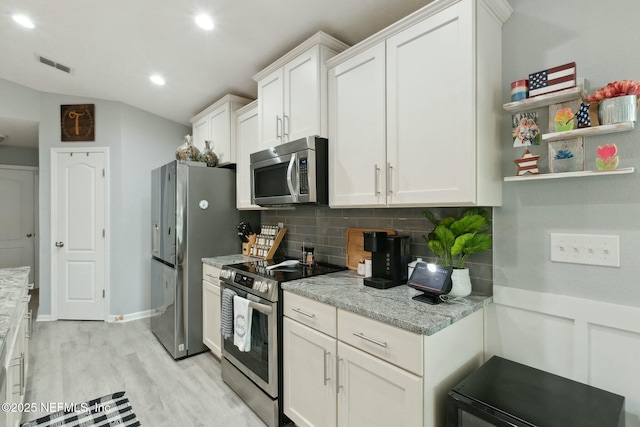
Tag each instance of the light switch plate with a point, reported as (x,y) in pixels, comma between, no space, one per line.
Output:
(586,249)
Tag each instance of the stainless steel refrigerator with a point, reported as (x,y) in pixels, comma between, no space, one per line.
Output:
(193,215)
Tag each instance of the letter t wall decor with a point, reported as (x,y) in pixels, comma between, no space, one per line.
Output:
(77,122)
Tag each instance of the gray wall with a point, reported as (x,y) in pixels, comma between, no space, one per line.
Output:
(326,229)
(138,142)
(18,156)
(544,34)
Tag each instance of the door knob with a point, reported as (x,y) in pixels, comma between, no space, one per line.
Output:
(29,235)
(59,244)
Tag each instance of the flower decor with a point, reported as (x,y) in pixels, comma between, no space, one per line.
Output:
(563,154)
(617,88)
(564,120)
(607,157)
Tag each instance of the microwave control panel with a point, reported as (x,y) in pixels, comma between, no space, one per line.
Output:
(304,175)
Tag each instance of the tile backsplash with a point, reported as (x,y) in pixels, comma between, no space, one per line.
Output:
(325,230)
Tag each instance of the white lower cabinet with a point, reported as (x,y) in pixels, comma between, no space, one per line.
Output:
(328,382)
(211,309)
(374,393)
(16,364)
(309,375)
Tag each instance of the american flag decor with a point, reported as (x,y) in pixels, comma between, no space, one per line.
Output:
(553,79)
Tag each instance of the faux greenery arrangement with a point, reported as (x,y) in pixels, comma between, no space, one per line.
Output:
(454,239)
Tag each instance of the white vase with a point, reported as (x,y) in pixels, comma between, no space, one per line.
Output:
(461,283)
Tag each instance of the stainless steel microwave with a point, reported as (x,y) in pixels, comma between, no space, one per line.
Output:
(292,173)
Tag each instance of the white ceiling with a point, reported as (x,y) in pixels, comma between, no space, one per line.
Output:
(113,46)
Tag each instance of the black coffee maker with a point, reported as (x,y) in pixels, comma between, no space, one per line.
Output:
(389,259)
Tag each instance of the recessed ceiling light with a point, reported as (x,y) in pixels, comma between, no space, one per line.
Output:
(157,79)
(204,21)
(23,20)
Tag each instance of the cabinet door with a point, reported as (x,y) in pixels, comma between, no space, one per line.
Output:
(357,116)
(220,134)
(270,109)
(431,140)
(201,132)
(302,96)
(211,317)
(246,143)
(374,393)
(309,375)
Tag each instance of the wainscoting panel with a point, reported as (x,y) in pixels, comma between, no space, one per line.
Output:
(587,341)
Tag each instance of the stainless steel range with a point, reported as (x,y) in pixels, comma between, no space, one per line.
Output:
(255,375)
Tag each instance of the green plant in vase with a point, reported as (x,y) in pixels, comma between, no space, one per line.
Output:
(453,239)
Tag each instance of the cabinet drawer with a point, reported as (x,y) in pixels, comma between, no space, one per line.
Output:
(210,273)
(397,346)
(315,314)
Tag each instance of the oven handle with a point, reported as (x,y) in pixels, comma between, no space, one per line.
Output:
(294,192)
(261,307)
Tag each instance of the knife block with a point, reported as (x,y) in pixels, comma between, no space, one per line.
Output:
(246,246)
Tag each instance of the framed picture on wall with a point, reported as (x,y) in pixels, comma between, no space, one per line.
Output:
(77,122)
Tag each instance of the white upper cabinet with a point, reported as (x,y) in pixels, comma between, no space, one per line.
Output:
(292,92)
(357,140)
(434,79)
(217,124)
(246,143)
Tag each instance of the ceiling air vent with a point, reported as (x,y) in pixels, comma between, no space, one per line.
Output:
(54,64)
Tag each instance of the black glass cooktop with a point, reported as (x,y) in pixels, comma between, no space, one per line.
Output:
(284,273)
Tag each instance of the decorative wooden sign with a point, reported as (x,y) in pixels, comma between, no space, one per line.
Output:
(77,122)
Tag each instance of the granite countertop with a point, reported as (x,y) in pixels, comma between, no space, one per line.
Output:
(394,306)
(13,282)
(221,261)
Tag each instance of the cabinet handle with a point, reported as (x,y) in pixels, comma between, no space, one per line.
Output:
(326,377)
(212,276)
(376,176)
(310,315)
(364,337)
(29,332)
(22,367)
(286,122)
(18,361)
(338,360)
(278,126)
(389,167)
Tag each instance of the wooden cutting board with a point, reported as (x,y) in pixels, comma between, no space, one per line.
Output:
(355,245)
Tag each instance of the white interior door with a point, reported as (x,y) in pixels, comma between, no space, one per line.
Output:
(78,234)
(17,219)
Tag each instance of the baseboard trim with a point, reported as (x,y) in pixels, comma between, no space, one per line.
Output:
(118,318)
(43,318)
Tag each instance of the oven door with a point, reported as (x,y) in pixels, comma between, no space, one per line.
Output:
(260,363)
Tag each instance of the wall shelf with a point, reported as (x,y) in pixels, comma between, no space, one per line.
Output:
(546,100)
(578,174)
(590,131)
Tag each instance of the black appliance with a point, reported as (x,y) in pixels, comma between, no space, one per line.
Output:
(506,393)
(295,172)
(389,259)
(433,280)
(256,375)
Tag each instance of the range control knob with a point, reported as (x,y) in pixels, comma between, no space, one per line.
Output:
(224,274)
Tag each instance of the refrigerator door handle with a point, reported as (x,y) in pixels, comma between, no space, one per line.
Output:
(155,239)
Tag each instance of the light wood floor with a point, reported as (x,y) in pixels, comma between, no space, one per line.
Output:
(76,361)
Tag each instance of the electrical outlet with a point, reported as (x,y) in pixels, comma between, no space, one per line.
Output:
(585,249)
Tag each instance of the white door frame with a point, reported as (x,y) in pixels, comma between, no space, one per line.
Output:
(36,211)
(54,208)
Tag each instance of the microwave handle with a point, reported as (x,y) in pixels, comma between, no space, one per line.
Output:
(292,174)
